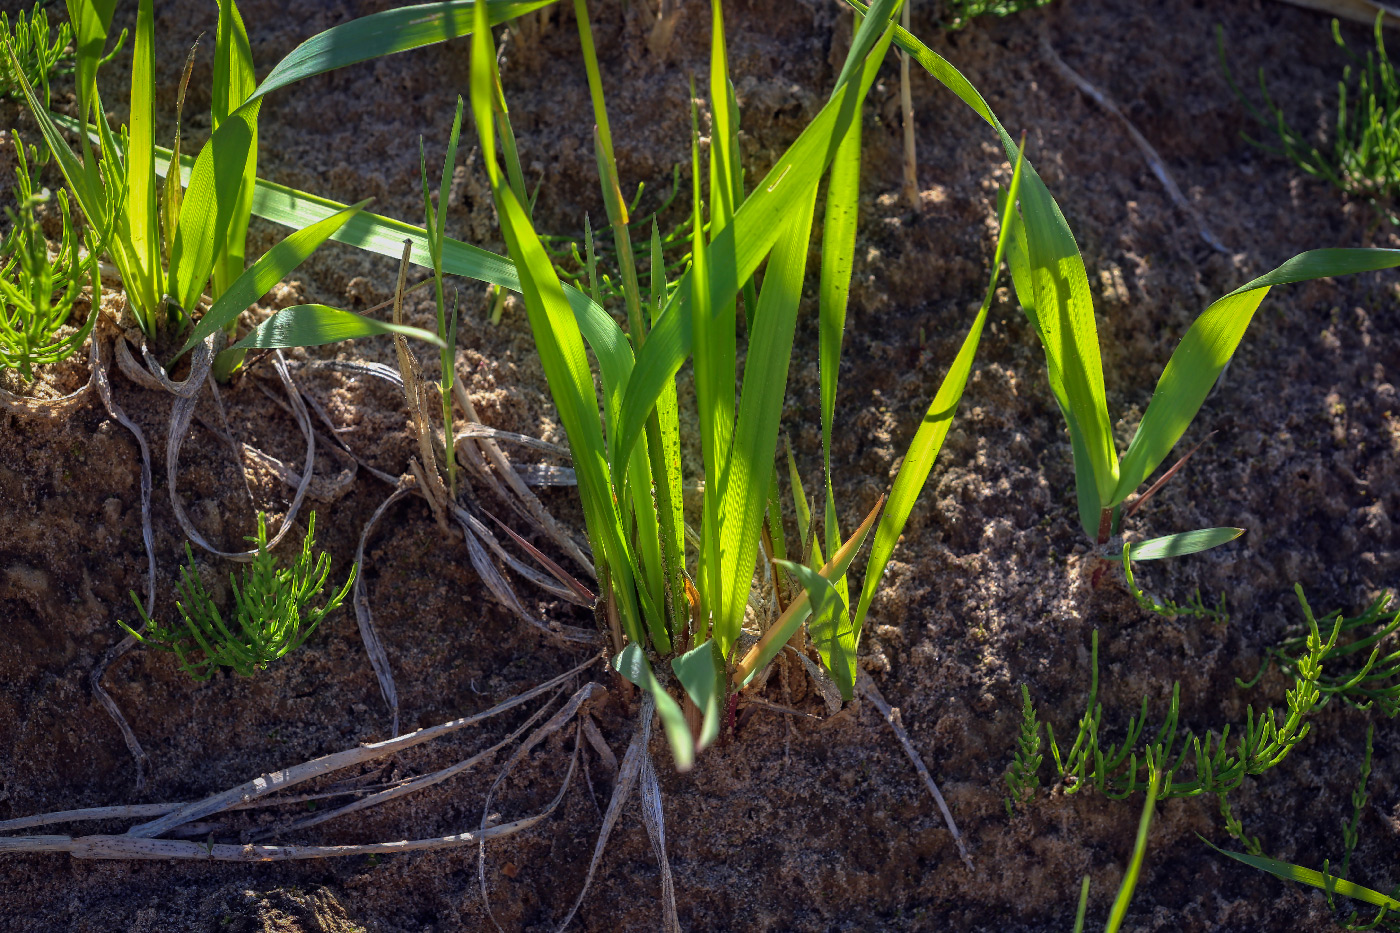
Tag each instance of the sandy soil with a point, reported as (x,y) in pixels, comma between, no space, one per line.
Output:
(793,825)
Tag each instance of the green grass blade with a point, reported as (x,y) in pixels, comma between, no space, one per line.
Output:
(211,204)
(234,83)
(709,384)
(799,496)
(139,230)
(830,628)
(879,17)
(386,33)
(1183,543)
(797,611)
(234,80)
(270,269)
(701,672)
(632,664)
(1130,877)
(838,258)
(1083,905)
(317,325)
(723,120)
(743,487)
(665,449)
(928,440)
(1290,872)
(1055,271)
(91,197)
(92,19)
(1207,347)
(560,344)
(756,227)
(385,236)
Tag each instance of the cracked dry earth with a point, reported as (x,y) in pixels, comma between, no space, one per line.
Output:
(795,824)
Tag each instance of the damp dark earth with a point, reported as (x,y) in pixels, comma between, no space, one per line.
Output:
(477,583)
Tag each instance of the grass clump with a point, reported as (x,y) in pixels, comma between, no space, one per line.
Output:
(38,290)
(173,242)
(272,611)
(1364,156)
(662,603)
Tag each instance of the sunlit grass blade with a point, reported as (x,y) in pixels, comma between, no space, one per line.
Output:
(210,204)
(1055,270)
(701,672)
(1288,871)
(316,325)
(830,627)
(798,610)
(385,236)
(756,227)
(665,450)
(387,33)
(86,187)
(838,256)
(1083,905)
(799,495)
(234,83)
(878,18)
(91,20)
(632,664)
(1130,877)
(1182,543)
(270,269)
(709,383)
(742,493)
(1207,347)
(928,440)
(647,459)
(138,231)
(562,356)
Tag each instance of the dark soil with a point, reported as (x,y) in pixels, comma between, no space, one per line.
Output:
(793,825)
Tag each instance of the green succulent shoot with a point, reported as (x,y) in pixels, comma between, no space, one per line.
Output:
(273,615)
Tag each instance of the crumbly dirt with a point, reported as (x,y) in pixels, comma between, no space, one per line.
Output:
(794,824)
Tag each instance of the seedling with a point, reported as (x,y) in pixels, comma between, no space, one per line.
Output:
(38,290)
(1053,288)
(1364,161)
(1375,681)
(1330,884)
(272,611)
(40,53)
(1023,777)
(1264,742)
(1195,607)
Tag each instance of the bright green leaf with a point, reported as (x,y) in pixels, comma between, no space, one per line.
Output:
(317,325)
(701,672)
(270,269)
(1183,543)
